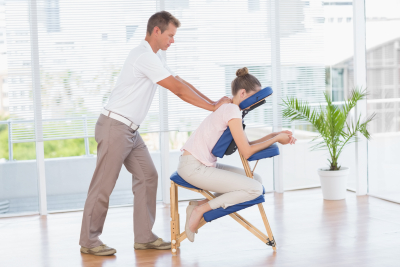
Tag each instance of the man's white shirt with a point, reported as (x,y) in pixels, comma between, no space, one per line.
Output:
(137,83)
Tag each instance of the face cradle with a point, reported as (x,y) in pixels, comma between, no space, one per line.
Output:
(244,95)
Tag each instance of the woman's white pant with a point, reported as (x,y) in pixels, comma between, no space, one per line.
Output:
(231,183)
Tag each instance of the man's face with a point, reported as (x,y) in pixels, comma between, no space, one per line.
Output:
(167,37)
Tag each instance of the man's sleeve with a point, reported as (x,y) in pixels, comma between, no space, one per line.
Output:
(151,66)
(164,62)
(170,71)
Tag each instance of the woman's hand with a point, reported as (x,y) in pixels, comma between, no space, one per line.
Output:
(283,138)
(286,132)
(286,137)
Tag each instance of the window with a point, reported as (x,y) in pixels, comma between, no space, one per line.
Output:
(383,83)
(130,31)
(52,11)
(253,5)
(81,51)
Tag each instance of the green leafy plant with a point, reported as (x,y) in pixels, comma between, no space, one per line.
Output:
(331,122)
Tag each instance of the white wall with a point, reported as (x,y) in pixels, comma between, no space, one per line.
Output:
(300,164)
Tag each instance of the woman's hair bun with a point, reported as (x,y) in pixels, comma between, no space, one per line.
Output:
(241,72)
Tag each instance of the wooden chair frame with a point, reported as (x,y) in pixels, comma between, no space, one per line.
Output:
(177,237)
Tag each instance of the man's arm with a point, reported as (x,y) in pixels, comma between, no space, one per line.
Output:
(193,88)
(189,95)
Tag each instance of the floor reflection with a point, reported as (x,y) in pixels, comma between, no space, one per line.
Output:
(97,261)
(334,211)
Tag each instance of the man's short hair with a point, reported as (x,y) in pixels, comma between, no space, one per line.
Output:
(161,19)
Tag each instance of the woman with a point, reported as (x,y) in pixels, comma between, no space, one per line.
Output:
(199,167)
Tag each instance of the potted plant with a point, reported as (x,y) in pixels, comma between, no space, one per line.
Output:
(336,130)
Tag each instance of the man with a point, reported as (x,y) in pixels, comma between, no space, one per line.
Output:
(120,143)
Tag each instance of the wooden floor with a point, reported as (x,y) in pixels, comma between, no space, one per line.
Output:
(359,231)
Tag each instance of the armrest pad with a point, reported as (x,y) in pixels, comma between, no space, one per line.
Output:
(269,152)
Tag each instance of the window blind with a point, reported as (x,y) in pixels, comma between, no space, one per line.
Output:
(83,44)
(82,47)
(218,37)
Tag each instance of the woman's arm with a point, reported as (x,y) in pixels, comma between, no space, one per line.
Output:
(265,138)
(271,135)
(248,149)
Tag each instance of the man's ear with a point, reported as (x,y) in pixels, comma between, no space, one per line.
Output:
(156,30)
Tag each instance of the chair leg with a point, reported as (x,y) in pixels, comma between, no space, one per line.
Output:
(269,240)
(246,166)
(249,174)
(177,220)
(252,229)
(267,227)
(252,226)
(174,229)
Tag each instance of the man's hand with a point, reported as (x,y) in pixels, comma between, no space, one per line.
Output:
(223,100)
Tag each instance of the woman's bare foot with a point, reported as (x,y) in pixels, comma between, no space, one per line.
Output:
(201,202)
(196,216)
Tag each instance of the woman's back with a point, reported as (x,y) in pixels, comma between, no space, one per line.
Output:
(203,140)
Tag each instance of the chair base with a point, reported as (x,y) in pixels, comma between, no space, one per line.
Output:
(177,237)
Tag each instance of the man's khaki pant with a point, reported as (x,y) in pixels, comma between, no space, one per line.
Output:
(118,144)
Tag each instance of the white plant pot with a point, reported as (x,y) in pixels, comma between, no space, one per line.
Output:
(333,183)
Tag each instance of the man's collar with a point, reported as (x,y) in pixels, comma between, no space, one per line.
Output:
(147,45)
